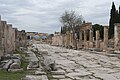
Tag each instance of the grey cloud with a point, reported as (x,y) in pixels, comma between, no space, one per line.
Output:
(43,15)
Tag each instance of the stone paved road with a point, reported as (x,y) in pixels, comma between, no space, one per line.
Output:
(83,65)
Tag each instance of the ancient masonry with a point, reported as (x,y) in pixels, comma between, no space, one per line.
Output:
(10,38)
(86,39)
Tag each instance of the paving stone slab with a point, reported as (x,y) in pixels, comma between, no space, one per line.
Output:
(40,73)
(66,79)
(74,75)
(60,72)
(58,76)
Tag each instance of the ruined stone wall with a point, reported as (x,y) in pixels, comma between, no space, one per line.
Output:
(4,37)
(13,38)
(9,38)
(1,46)
(57,40)
(117,36)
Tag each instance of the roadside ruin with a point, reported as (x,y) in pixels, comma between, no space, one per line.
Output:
(86,39)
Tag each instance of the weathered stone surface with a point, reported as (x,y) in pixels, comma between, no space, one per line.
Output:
(44,77)
(17,61)
(15,70)
(59,76)
(33,64)
(17,56)
(60,72)
(105,37)
(66,79)
(33,60)
(97,39)
(84,65)
(91,39)
(117,36)
(40,73)
(50,64)
(34,77)
(15,66)
(74,75)
(7,65)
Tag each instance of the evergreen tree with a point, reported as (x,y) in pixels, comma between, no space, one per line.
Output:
(119,14)
(116,17)
(112,20)
(99,27)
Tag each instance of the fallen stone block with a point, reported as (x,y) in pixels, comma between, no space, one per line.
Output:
(15,70)
(16,56)
(7,65)
(17,61)
(50,64)
(33,64)
(15,66)
(40,73)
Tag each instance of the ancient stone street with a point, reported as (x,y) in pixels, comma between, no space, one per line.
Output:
(82,65)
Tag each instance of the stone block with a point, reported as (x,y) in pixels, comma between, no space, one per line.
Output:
(40,73)
(15,66)
(15,70)
(58,76)
(7,65)
(58,72)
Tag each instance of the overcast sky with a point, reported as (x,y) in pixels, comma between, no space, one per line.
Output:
(43,15)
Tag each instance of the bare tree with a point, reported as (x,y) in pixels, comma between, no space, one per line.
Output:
(70,19)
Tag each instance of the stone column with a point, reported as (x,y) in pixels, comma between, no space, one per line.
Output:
(91,39)
(117,36)
(67,36)
(85,39)
(97,39)
(80,41)
(71,38)
(105,37)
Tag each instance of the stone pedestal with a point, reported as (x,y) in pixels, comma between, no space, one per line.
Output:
(117,36)
(97,39)
(105,38)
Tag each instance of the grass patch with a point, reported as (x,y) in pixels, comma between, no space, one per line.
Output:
(4,75)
